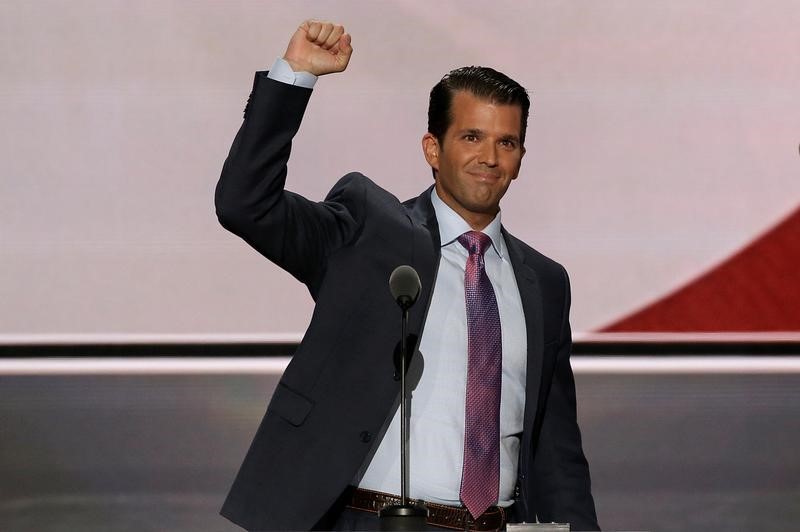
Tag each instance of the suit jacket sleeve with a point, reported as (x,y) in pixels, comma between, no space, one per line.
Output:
(293,232)
(561,483)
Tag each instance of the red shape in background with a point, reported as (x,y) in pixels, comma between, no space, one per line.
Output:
(757,289)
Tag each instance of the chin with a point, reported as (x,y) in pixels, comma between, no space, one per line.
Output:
(483,208)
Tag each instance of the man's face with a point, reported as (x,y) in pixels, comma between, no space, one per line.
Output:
(478,158)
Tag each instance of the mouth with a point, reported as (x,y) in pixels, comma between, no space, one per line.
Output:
(485,176)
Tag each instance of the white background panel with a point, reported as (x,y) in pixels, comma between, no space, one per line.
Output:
(663,137)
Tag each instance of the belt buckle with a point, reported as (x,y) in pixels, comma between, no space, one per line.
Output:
(469,521)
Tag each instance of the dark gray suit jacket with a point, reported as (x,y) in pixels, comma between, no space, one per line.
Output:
(339,389)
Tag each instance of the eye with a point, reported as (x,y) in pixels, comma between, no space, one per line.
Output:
(470,137)
(508,143)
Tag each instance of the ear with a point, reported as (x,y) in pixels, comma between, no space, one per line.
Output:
(521,156)
(430,148)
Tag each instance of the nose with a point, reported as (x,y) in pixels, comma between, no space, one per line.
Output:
(488,154)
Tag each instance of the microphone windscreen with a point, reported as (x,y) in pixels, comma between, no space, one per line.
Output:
(404,284)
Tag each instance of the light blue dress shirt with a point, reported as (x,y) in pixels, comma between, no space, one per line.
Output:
(436,447)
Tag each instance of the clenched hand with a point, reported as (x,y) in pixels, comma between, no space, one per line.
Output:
(319,47)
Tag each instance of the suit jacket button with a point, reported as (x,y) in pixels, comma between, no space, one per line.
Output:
(365,436)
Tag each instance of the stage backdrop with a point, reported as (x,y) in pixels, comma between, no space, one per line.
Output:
(662,163)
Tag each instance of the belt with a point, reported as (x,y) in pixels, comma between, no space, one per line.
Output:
(453,517)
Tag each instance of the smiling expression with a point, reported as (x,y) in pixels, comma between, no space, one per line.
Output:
(478,157)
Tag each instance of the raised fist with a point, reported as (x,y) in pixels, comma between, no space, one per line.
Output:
(319,48)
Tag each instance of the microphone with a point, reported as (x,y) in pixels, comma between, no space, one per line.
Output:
(405,286)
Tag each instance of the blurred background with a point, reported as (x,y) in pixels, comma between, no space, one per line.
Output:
(140,342)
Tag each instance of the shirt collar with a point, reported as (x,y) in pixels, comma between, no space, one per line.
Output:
(452,225)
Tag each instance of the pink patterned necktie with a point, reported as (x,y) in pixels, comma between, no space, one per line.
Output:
(480,476)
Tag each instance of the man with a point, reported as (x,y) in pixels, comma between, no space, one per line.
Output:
(494,436)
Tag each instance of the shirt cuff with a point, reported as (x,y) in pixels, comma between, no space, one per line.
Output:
(281,71)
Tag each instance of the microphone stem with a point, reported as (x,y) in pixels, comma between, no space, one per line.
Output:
(403,414)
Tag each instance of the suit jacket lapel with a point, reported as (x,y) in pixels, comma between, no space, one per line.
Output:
(531,296)
(425,254)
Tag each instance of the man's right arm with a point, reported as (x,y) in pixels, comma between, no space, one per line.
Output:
(293,232)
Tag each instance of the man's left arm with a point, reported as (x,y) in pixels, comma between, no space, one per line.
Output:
(561,483)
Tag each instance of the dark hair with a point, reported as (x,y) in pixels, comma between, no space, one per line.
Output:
(484,83)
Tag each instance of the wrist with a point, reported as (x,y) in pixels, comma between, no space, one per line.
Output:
(298,66)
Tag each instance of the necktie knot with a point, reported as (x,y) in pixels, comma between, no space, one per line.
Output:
(475,242)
